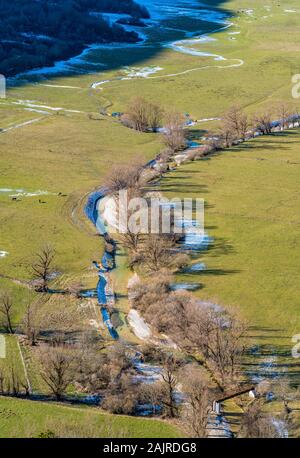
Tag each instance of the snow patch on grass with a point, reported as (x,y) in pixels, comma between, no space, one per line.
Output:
(138,325)
(32,194)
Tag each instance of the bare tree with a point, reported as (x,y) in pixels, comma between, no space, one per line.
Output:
(32,321)
(153,395)
(256,423)
(295,118)
(263,123)
(137,114)
(216,334)
(57,368)
(237,122)
(284,115)
(157,253)
(227,136)
(142,115)
(131,240)
(171,316)
(122,391)
(15,382)
(213,142)
(122,396)
(6,312)
(245,128)
(155,114)
(220,337)
(2,378)
(174,135)
(28,325)
(93,372)
(198,400)
(125,177)
(169,378)
(284,394)
(165,155)
(150,295)
(42,267)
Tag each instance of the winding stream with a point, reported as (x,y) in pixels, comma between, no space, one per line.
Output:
(94,59)
(170,18)
(107,262)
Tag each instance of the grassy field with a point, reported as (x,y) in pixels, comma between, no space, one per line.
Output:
(266,42)
(69,153)
(251,192)
(20,418)
(59,155)
(252,201)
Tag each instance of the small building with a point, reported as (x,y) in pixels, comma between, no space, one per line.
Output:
(218,402)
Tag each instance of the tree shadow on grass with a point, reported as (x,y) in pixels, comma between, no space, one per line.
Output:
(211,272)
(271,356)
(263,146)
(183,183)
(220,247)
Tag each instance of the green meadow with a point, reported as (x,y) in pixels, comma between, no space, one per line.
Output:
(251,192)
(252,213)
(31,419)
(70,153)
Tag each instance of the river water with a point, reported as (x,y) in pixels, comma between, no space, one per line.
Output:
(177,24)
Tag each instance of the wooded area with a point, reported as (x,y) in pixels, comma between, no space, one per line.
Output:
(35,34)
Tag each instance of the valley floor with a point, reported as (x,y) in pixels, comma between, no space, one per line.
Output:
(58,142)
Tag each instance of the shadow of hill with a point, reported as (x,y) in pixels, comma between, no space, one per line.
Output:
(115,57)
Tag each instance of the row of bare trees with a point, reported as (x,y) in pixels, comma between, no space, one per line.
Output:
(151,251)
(237,126)
(42,270)
(113,377)
(184,391)
(156,252)
(109,374)
(258,422)
(158,257)
(6,312)
(12,383)
(72,356)
(60,317)
(198,328)
(216,335)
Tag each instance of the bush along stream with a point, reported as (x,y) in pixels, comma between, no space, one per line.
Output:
(193,241)
(145,372)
